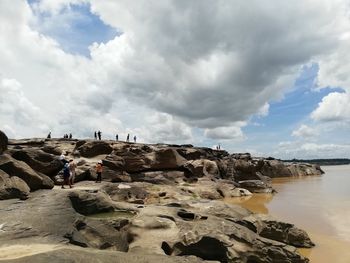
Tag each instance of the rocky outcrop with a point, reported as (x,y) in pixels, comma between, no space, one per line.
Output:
(91,202)
(99,235)
(158,160)
(276,168)
(39,161)
(20,169)
(154,199)
(12,187)
(270,228)
(3,142)
(94,148)
(202,167)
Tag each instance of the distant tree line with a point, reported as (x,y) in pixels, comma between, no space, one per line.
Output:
(336,161)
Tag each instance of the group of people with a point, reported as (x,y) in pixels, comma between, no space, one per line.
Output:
(65,136)
(98,135)
(127,138)
(69,171)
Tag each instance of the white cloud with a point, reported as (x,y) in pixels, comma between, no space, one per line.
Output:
(226,133)
(173,69)
(304,131)
(299,150)
(333,107)
(17,111)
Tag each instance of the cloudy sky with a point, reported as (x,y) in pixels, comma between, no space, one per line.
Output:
(268,77)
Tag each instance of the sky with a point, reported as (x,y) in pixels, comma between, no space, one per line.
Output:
(266,77)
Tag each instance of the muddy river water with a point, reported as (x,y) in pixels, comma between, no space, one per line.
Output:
(320,205)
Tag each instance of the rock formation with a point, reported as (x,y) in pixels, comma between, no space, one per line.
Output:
(158,200)
(3,142)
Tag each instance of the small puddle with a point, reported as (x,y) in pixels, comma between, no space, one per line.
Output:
(113,215)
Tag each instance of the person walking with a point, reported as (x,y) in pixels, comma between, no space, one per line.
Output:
(49,135)
(128,138)
(72,167)
(66,175)
(116,137)
(95,135)
(99,171)
(135,139)
(99,135)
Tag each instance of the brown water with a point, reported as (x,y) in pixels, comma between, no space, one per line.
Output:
(320,205)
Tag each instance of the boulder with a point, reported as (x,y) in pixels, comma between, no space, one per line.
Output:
(3,142)
(267,227)
(94,148)
(274,168)
(12,187)
(20,169)
(39,160)
(202,167)
(114,169)
(99,235)
(161,159)
(256,186)
(159,177)
(52,149)
(89,202)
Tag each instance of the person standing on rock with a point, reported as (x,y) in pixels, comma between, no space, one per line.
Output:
(63,159)
(128,138)
(99,135)
(72,167)
(116,137)
(66,175)
(135,139)
(95,135)
(70,136)
(49,135)
(99,172)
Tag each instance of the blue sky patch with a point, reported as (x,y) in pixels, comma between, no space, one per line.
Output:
(75,28)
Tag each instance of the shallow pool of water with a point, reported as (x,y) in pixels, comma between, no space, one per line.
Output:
(320,205)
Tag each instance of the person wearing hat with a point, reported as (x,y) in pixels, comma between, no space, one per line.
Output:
(99,171)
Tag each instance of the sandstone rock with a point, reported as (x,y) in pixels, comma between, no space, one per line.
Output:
(130,194)
(12,187)
(158,177)
(20,169)
(88,203)
(3,142)
(75,255)
(202,167)
(270,228)
(162,159)
(94,148)
(256,186)
(51,149)
(39,161)
(99,235)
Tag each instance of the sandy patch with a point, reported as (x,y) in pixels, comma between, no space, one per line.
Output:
(19,251)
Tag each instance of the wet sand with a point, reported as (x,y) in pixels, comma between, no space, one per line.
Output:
(320,205)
